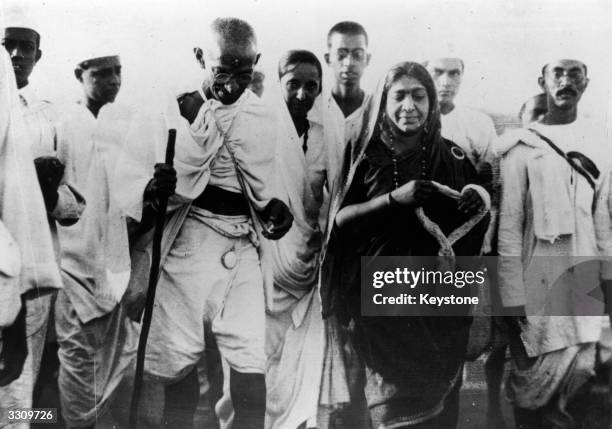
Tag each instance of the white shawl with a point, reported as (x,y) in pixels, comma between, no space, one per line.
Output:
(22,209)
(296,254)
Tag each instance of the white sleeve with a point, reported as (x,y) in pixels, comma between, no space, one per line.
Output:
(512,213)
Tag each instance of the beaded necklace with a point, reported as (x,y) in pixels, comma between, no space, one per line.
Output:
(391,144)
(305,144)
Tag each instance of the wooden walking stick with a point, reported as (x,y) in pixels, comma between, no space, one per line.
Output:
(153,277)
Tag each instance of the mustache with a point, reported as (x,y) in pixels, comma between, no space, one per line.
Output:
(568,90)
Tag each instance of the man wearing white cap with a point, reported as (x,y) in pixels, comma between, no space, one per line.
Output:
(554,208)
(33,266)
(96,340)
(48,144)
(52,159)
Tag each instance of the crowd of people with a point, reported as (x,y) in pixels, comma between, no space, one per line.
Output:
(267,209)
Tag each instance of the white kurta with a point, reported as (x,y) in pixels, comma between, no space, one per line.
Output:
(95,252)
(339,130)
(23,214)
(26,253)
(549,215)
(48,138)
(22,209)
(472,131)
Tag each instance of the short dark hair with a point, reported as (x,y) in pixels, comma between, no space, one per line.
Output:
(347,27)
(294,57)
(234,29)
(583,65)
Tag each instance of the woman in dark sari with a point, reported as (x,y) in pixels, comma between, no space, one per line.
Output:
(413,364)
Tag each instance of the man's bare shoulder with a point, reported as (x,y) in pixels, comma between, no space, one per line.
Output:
(189,104)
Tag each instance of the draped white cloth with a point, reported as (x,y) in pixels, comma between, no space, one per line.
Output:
(295,336)
(10,266)
(22,210)
(95,251)
(536,247)
(202,158)
(301,180)
(48,138)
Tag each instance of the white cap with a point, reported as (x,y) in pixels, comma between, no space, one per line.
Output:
(99,51)
(443,49)
(564,49)
(13,14)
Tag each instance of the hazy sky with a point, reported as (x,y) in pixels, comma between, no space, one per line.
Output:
(504,42)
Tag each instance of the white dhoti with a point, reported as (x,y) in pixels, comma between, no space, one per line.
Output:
(295,344)
(553,380)
(195,289)
(18,394)
(94,358)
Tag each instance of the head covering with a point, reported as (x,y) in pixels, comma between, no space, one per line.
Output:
(440,162)
(16,15)
(374,118)
(565,58)
(375,114)
(318,376)
(432,125)
(108,60)
(295,255)
(443,48)
(97,53)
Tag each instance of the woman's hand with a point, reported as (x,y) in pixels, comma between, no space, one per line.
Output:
(415,193)
(470,202)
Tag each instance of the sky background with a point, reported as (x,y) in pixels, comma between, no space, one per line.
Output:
(504,42)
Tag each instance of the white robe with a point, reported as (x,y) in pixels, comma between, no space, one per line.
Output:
(95,251)
(22,209)
(473,132)
(344,130)
(339,132)
(539,240)
(48,138)
(200,159)
(295,337)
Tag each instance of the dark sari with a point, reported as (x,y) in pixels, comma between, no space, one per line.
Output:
(413,362)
